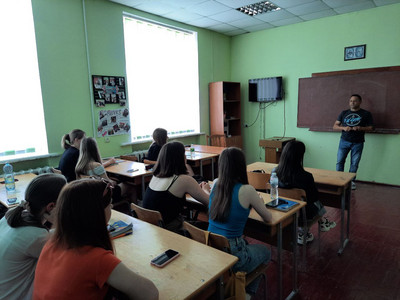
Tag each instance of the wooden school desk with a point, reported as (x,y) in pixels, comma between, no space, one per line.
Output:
(198,268)
(267,230)
(207,149)
(20,186)
(135,171)
(334,190)
(196,159)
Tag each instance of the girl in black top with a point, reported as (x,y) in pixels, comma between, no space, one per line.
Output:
(71,142)
(291,174)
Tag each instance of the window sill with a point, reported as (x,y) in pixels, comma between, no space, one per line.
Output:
(170,138)
(22,159)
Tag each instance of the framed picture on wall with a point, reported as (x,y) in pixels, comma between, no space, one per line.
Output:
(354,52)
(108,90)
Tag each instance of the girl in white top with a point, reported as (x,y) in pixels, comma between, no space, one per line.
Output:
(90,164)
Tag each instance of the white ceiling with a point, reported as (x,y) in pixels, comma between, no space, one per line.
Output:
(222,16)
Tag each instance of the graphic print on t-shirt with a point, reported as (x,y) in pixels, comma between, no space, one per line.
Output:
(352,120)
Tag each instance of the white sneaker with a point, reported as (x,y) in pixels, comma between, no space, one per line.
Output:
(309,237)
(326,225)
(353,185)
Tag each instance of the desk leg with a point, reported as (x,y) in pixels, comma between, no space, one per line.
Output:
(220,288)
(201,168)
(212,168)
(343,241)
(294,239)
(280,261)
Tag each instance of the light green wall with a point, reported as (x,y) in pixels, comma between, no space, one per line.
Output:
(293,51)
(297,51)
(64,71)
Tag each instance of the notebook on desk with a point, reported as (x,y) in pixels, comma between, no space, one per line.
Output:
(282,205)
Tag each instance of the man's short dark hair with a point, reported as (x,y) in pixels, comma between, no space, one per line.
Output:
(358,96)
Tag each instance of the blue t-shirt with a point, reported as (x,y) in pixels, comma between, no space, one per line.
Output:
(233,227)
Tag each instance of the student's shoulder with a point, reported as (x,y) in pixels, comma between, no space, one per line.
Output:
(247,189)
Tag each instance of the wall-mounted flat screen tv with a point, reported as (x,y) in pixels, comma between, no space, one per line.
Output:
(265,89)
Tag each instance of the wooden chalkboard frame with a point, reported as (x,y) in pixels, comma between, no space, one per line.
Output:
(324,95)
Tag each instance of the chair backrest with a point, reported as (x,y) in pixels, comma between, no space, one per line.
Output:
(294,193)
(258,180)
(129,157)
(196,233)
(150,216)
(219,242)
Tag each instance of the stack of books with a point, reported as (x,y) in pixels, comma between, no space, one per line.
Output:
(119,229)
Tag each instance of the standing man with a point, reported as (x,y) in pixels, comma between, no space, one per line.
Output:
(353,123)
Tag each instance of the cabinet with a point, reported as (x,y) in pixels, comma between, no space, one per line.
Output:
(225,113)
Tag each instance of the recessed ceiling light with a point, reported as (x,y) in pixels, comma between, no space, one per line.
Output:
(258,8)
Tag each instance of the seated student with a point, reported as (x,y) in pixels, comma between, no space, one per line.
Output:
(291,174)
(78,262)
(160,137)
(169,185)
(23,233)
(231,199)
(90,164)
(71,143)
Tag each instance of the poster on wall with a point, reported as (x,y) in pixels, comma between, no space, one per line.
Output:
(108,90)
(113,122)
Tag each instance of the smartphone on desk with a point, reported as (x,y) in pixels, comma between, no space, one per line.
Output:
(276,203)
(164,258)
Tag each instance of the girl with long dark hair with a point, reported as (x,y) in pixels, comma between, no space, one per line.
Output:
(230,202)
(291,174)
(78,262)
(170,183)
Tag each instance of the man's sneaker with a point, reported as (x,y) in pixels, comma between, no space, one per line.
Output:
(309,237)
(353,185)
(326,225)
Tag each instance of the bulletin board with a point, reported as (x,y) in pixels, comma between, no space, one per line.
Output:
(113,122)
(323,96)
(108,90)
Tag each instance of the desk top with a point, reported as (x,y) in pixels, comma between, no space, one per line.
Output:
(326,177)
(128,168)
(207,149)
(197,266)
(277,216)
(197,156)
(20,186)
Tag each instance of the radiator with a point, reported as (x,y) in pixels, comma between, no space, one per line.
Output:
(36,171)
(140,154)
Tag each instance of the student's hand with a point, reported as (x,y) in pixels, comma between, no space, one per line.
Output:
(205,187)
(112,161)
(356,128)
(347,128)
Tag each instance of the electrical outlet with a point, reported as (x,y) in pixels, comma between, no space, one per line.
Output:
(107,139)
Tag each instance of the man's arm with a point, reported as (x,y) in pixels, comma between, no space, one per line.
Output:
(338,126)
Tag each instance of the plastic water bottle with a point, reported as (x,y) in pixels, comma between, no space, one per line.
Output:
(10,183)
(274,187)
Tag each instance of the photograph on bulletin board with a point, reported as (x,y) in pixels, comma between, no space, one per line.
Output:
(108,90)
(113,122)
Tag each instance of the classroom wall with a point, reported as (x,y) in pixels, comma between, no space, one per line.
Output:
(68,57)
(293,51)
(297,51)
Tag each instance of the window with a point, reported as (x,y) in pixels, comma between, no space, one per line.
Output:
(162,78)
(23,131)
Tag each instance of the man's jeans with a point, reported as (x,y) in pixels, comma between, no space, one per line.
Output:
(344,149)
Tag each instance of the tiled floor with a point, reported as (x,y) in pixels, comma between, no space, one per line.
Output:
(369,267)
